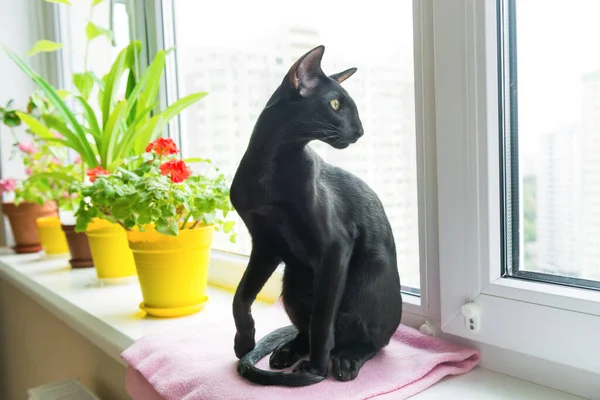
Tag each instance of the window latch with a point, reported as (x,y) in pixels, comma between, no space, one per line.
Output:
(472,314)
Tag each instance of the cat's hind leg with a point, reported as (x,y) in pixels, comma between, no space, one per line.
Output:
(288,354)
(347,362)
(297,299)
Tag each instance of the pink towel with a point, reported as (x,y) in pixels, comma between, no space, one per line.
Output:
(201,365)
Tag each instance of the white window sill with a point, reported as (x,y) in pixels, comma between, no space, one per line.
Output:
(108,316)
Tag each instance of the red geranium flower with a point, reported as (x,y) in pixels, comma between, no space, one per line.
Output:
(177,170)
(162,147)
(95,172)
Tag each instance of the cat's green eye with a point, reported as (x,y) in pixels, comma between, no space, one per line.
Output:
(335,104)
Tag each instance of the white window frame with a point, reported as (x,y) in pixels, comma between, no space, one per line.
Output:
(551,322)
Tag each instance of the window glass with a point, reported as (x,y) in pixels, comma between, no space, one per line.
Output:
(556,70)
(241,57)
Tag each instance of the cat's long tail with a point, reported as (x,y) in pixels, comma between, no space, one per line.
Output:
(246,366)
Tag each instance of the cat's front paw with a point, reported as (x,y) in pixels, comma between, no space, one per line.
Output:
(305,366)
(243,344)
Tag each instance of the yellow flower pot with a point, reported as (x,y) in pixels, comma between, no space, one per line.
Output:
(51,235)
(111,254)
(172,270)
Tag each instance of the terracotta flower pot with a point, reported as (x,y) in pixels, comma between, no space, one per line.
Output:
(22,222)
(81,256)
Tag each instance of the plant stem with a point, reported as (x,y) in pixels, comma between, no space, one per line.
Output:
(195,224)
(186,220)
(106,212)
(14,135)
(87,43)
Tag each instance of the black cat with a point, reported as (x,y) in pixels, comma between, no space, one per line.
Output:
(341,288)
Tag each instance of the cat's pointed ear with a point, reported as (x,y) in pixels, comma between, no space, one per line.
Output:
(342,76)
(306,73)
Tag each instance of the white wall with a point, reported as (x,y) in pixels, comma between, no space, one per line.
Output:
(36,348)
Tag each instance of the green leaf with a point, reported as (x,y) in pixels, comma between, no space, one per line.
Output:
(83,147)
(58,1)
(130,222)
(82,223)
(181,104)
(84,82)
(120,208)
(155,213)
(169,211)
(147,77)
(228,226)
(91,119)
(61,127)
(98,81)
(233,238)
(138,138)
(169,228)
(179,197)
(153,128)
(109,192)
(63,93)
(155,71)
(141,115)
(195,160)
(111,83)
(11,119)
(133,101)
(44,46)
(92,31)
(35,126)
(111,133)
(57,176)
(133,54)
(144,219)
(96,2)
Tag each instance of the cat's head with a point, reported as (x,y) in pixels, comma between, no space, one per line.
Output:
(316,106)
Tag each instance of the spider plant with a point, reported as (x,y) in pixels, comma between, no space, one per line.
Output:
(116,128)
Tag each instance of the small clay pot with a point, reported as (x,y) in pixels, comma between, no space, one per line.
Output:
(81,256)
(22,222)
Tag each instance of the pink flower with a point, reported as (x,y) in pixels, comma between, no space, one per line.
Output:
(58,135)
(28,171)
(77,159)
(65,195)
(56,161)
(28,148)
(7,185)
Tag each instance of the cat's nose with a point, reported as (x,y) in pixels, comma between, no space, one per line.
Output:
(359,132)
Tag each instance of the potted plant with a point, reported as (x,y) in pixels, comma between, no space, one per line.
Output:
(116,128)
(169,214)
(23,212)
(33,213)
